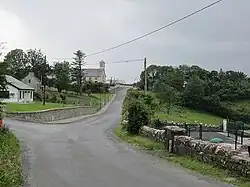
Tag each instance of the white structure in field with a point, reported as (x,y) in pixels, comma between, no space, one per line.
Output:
(18,91)
(95,74)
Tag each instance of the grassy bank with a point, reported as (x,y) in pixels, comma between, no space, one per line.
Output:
(10,160)
(93,100)
(181,114)
(186,162)
(30,107)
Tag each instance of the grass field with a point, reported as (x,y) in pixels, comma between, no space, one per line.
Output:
(10,160)
(185,162)
(30,107)
(72,100)
(92,100)
(180,114)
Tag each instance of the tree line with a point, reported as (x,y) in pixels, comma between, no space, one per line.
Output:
(197,88)
(63,75)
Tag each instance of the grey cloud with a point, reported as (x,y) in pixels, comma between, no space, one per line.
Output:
(216,38)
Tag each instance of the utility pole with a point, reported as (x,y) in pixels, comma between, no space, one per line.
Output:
(145,76)
(43,76)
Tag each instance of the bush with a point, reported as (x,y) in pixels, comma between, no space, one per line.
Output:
(1,111)
(37,96)
(53,97)
(4,130)
(158,124)
(138,116)
(63,97)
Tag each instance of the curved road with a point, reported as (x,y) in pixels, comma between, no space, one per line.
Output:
(84,154)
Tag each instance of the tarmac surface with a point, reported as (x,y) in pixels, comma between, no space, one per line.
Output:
(85,154)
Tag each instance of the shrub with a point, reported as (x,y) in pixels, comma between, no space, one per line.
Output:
(54,97)
(37,96)
(63,97)
(138,116)
(1,111)
(4,130)
(158,124)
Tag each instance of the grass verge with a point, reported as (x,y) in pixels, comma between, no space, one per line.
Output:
(30,107)
(10,160)
(181,114)
(186,162)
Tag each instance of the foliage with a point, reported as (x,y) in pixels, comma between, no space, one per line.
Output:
(147,99)
(76,70)
(63,97)
(194,92)
(165,93)
(10,160)
(53,97)
(37,96)
(3,69)
(138,116)
(1,111)
(18,63)
(190,163)
(38,63)
(62,75)
(199,89)
(97,87)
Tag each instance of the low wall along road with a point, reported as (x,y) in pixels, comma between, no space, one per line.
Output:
(221,154)
(53,114)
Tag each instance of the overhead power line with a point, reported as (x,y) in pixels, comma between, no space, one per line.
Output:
(126,61)
(156,30)
(120,62)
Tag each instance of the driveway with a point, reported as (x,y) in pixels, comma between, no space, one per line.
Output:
(84,154)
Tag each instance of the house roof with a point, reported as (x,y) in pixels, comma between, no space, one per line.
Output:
(93,72)
(17,84)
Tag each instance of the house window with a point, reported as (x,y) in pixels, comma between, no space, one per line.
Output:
(30,95)
(29,81)
(5,94)
(20,94)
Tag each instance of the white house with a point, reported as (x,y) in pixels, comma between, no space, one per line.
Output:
(32,81)
(95,74)
(18,91)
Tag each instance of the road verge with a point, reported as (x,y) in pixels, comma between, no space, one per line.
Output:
(155,148)
(10,159)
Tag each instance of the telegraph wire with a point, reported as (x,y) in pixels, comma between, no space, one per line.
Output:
(156,30)
(152,32)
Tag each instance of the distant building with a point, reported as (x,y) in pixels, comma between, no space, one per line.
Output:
(18,92)
(95,74)
(32,81)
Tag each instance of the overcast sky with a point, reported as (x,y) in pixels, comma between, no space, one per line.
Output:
(216,38)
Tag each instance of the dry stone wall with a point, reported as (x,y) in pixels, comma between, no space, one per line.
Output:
(222,155)
(53,114)
(192,126)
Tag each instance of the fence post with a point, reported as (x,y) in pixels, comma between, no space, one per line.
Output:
(200,132)
(242,135)
(186,127)
(189,131)
(236,138)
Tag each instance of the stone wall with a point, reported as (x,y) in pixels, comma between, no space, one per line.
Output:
(222,155)
(192,126)
(53,114)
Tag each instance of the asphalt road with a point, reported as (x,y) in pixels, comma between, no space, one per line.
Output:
(85,154)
